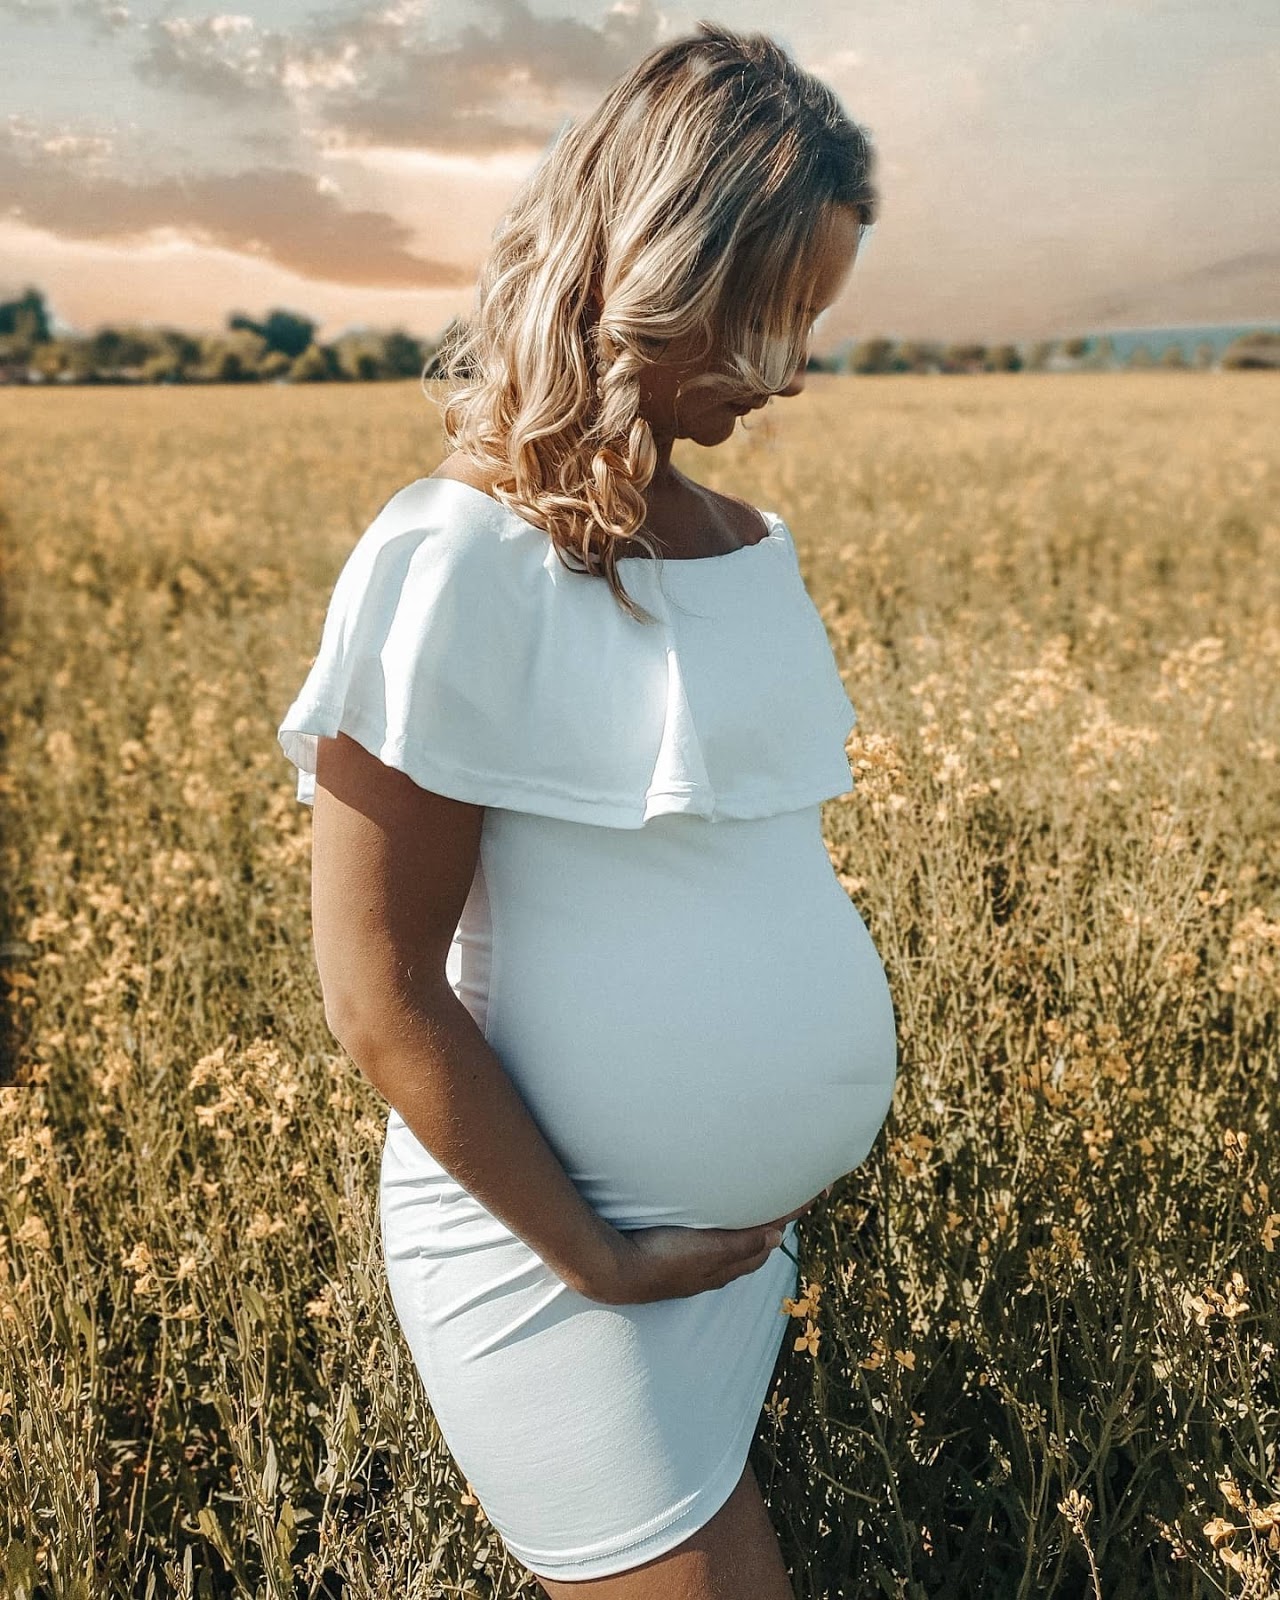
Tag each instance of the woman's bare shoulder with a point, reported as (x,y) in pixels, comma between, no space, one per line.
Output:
(739,516)
(461,467)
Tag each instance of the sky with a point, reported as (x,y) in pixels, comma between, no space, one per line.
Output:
(1046,167)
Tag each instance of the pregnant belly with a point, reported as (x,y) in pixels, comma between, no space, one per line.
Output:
(694,1013)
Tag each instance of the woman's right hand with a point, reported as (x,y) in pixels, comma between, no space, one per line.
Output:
(672,1263)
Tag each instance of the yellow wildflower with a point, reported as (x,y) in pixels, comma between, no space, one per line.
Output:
(33,1232)
(138,1259)
(808,1340)
(876,1358)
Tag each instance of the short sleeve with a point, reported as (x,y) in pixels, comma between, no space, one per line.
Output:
(458,649)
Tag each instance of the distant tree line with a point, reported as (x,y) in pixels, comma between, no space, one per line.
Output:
(283,348)
(1080,354)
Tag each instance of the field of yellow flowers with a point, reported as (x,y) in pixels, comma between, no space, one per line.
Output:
(1034,1352)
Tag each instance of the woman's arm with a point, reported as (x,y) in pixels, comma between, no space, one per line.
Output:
(392,865)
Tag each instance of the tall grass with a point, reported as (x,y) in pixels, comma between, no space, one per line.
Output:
(1035,1351)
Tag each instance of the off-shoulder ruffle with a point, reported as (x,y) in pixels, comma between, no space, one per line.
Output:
(457,649)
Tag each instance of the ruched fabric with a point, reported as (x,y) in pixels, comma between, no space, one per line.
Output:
(655,947)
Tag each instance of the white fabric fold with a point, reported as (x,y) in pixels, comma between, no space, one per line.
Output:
(458,649)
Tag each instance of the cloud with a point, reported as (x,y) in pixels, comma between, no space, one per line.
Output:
(103,16)
(64,142)
(106,17)
(226,58)
(461,95)
(368,78)
(275,214)
(29,10)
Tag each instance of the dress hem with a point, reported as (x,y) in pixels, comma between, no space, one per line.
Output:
(299,731)
(672,1528)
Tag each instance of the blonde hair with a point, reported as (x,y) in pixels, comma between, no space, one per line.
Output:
(688,205)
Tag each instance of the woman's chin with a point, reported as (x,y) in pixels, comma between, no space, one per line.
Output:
(716,426)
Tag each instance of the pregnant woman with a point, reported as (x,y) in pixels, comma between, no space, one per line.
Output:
(567,736)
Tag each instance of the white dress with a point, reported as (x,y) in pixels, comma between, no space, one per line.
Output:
(658,951)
